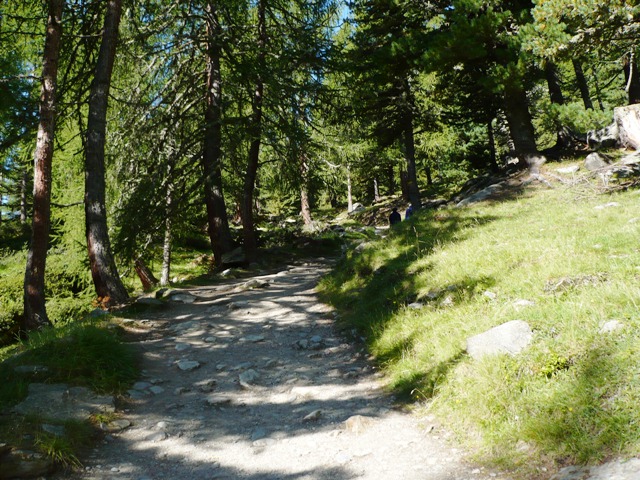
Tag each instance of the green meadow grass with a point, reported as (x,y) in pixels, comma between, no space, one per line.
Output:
(573,394)
(88,353)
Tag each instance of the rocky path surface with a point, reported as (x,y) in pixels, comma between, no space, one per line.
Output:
(251,381)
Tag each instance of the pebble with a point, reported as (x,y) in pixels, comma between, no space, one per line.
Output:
(188,365)
(156,390)
(258,434)
(158,437)
(313,416)
(253,338)
(218,400)
(141,385)
(248,378)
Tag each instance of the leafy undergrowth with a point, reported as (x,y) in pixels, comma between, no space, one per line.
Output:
(563,260)
(86,354)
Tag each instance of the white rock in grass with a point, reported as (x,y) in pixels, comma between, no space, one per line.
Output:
(511,337)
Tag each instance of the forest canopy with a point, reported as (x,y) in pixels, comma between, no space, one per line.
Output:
(131,127)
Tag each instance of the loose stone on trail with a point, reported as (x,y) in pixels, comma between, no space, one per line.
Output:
(187,365)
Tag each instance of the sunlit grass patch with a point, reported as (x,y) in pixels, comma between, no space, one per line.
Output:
(565,265)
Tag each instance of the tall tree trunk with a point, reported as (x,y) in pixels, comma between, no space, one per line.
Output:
(413,192)
(248,227)
(519,119)
(391,180)
(583,86)
(376,190)
(563,138)
(632,78)
(305,208)
(553,83)
(596,83)
(107,282)
(24,182)
(217,219)
(493,158)
(35,313)
(349,191)
(166,247)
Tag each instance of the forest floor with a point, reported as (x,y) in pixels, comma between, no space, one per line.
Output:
(252,381)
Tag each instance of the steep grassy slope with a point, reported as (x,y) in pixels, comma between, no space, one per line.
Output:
(565,261)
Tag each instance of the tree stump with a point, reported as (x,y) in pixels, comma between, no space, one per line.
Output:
(145,275)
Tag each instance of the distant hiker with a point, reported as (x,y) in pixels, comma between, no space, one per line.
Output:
(394,217)
(409,212)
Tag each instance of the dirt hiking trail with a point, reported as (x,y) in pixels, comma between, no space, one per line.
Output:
(251,381)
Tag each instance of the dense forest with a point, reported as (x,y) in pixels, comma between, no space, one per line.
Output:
(130,127)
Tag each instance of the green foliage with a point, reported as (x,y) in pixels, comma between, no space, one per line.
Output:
(68,287)
(572,395)
(85,354)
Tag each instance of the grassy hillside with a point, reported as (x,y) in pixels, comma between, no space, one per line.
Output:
(564,259)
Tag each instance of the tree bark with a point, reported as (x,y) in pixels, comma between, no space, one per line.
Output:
(413,192)
(632,78)
(305,208)
(166,247)
(493,158)
(376,190)
(145,275)
(391,180)
(23,196)
(35,313)
(248,226)
(217,219)
(109,287)
(518,117)
(583,86)
(553,83)
(349,191)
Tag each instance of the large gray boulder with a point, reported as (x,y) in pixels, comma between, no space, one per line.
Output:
(511,337)
(595,161)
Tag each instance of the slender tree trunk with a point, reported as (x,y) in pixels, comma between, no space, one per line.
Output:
(109,287)
(248,227)
(596,84)
(349,191)
(217,219)
(563,136)
(493,158)
(413,191)
(305,208)
(35,313)
(391,180)
(553,83)
(519,119)
(23,196)
(632,78)
(583,86)
(145,275)
(376,190)
(166,247)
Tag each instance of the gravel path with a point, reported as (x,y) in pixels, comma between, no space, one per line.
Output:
(250,381)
